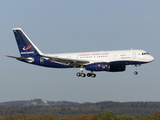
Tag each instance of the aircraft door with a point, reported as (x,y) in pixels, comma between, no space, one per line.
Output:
(69,57)
(134,55)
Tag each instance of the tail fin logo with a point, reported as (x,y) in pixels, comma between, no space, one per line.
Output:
(27,47)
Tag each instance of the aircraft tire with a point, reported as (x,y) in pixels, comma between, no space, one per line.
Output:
(135,72)
(83,75)
(89,74)
(93,75)
(78,74)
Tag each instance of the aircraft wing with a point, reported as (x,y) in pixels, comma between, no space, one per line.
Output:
(67,61)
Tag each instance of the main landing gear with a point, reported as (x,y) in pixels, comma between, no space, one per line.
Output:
(84,75)
(81,74)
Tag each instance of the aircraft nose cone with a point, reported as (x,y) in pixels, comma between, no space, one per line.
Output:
(151,58)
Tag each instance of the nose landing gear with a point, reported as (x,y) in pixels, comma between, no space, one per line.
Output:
(135,72)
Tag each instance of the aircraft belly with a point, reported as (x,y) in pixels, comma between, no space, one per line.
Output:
(126,62)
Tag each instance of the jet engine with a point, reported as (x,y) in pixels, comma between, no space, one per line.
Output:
(105,67)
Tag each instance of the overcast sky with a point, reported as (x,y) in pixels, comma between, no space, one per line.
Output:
(61,26)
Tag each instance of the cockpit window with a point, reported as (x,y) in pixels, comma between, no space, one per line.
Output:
(145,53)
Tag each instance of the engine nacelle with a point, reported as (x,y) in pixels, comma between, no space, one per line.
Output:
(117,68)
(105,67)
(97,67)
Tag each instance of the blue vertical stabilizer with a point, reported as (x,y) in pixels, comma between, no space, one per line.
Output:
(25,45)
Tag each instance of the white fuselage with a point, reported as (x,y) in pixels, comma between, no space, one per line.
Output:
(140,56)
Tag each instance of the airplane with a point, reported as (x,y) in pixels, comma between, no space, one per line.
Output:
(111,61)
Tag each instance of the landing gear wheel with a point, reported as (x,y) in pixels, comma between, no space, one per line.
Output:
(93,75)
(89,74)
(78,74)
(83,75)
(135,72)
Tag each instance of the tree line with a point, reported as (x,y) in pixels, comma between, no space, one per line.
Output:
(100,116)
(70,110)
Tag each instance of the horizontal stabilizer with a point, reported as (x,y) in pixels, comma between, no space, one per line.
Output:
(20,58)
